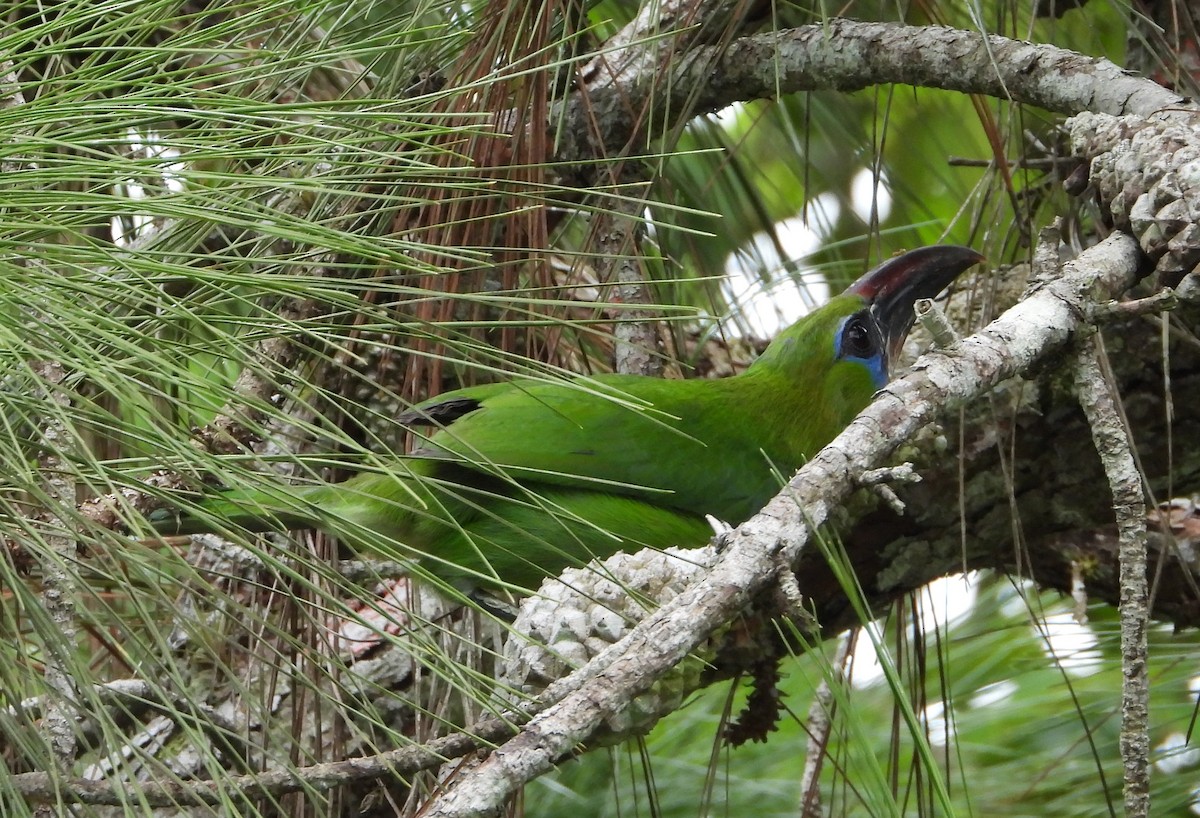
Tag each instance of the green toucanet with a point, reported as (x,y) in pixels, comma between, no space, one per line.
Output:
(514,481)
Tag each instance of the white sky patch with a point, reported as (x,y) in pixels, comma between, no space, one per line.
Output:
(942,603)
(995,693)
(1174,755)
(940,731)
(146,146)
(729,115)
(863,188)
(945,601)
(1075,646)
(769,306)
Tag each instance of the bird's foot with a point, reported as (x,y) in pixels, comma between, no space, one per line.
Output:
(878,479)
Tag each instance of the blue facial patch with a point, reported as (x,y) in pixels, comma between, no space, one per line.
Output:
(875,364)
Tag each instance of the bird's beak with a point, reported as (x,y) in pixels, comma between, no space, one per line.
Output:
(893,287)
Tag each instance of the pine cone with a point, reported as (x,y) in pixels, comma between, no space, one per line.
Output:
(1146,173)
(573,618)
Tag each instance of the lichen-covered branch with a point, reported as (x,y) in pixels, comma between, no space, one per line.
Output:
(1116,453)
(845,55)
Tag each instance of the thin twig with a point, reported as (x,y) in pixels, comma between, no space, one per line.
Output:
(935,322)
(58,584)
(1164,300)
(879,479)
(819,727)
(1114,445)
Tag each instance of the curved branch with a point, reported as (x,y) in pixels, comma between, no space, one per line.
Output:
(844,55)
(841,55)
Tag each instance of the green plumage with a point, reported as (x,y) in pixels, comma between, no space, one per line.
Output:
(514,481)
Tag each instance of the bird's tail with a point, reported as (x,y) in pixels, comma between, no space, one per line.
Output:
(464,528)
(250,510)
(389,501)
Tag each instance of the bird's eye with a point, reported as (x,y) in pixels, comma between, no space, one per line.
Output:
(858,340)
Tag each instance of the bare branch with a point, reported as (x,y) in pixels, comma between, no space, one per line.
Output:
(1115,447)
(844,55)
(59,591)
(819,728)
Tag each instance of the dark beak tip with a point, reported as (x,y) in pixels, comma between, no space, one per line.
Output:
(921,273)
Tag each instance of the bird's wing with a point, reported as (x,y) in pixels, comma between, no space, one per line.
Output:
(668,442)
(445,409)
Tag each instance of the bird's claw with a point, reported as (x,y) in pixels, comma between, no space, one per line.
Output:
(719,527)
(878,479)
(721,530)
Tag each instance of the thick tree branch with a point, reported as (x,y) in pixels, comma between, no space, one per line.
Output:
(844,55)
